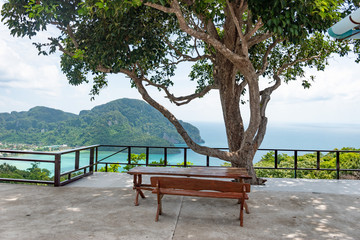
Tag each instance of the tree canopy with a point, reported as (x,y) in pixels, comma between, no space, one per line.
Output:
(234,45)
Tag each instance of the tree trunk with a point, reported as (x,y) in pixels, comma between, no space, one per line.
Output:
(230,99)
(242,149)
(245,160)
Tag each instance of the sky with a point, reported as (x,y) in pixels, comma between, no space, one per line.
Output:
(28,80)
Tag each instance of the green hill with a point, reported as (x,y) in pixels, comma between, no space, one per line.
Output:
(120,122)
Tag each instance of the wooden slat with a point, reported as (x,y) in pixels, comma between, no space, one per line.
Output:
(194,193)
(199,184)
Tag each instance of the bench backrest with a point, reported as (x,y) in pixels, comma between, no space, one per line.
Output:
(199,184)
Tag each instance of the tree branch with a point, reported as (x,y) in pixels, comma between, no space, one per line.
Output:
(186,99)
(265,62)
(185,56)
(220,47)
(266,93)
(183,99)
(242,86)
(265,98)
(235,21)
(180,129)
(103,69)
(61,48)
(287,65)
(72,36)
(252,31)
(160,7)
(236,59)
(258,38)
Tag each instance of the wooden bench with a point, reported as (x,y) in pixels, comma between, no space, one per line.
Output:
(200,188)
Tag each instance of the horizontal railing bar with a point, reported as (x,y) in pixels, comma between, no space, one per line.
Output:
(157,165)
(75,178)
(120,163)
(274,168)
(173,147)
(308,169)
(306,150)
(27,152)
(320,169)
(75,170)
(260,149)
(356,170)
(77,149)
(112,154)
(144,164)
(26,180)
(26,160)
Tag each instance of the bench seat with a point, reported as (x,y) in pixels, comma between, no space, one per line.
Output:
(200,188)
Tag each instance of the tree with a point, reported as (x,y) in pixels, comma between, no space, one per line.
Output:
(235,45)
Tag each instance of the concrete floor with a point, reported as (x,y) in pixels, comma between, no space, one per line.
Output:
(101,207)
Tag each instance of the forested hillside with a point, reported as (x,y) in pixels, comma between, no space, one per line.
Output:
(120,122)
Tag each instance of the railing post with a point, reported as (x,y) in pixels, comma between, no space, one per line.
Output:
(185,157)
(91,160)
(337,165)
(147,156)
(77,159)
(207,161)
(318,160)
(129,155)
(276,159)
(165,156)
(295,163)
(57,170)
(96,158)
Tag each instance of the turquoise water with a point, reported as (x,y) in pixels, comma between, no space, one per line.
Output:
(68,160)
(280,136)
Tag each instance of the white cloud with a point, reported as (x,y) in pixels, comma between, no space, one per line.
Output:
(333,97)
(21,67)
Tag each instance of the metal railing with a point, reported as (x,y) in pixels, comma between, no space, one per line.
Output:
(93,160)
(318,167)
(146,150)
(59,178)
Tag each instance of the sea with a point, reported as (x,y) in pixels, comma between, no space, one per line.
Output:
(285,136)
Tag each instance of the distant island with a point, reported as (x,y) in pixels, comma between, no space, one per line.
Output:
(120,122)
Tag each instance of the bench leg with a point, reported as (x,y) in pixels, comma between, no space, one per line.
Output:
(159,208)
(137,186)
(141,194)
(246,208)
(245,205)
(242,203)
(157,214)
(138,192)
